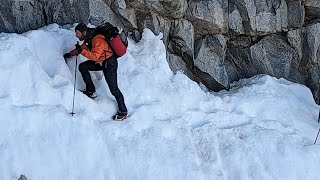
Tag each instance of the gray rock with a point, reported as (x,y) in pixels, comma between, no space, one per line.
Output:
(99,12)
(136,36)
(209,59)
(312,44)
(236,22)
(296,13)
(312,9)
(282,16)
(295,41)
(233,73)
(125,13)
(65,11)
(181,41)
(166,8)
(239,64)
(176,63)
(208,16)
(109,2)
(207,80)
(261,17)
(311,59)
(240,41)
(183,30)
(155,23)
(266,19)
(22,177)
(21,16)
(257,17)
(271,55)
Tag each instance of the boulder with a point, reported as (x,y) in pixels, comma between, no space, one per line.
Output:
(296,13)
(295,39)
(210,53)
(271,55)
(312,9)
(261,17)
(126,14)
(155,23)
(168,8)
(311,59)
(181,41)
(21,16)
(176,63)
(208,16)
(65,11)
(100,12)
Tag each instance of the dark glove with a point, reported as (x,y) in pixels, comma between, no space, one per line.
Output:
(66,56)
(79,49)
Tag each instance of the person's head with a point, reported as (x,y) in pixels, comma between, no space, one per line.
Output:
(81,31)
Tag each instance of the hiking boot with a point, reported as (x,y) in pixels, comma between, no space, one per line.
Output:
(91,95)
(120,116)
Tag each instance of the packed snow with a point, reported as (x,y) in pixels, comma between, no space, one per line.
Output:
(263,128)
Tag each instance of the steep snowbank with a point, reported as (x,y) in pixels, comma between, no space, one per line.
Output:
(263,128)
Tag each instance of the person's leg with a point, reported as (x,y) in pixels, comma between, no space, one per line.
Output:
(110,74)
(84,69)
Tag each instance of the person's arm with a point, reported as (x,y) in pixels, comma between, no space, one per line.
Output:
(74,51)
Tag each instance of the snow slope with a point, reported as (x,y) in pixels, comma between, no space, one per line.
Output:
(263,128)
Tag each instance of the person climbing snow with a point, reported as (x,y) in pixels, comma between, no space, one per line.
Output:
(101,57)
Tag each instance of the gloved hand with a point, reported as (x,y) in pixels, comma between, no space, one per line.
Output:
(66,56)
(78,48)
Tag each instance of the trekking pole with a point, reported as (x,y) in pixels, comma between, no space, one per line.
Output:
(74,84)
(319,117)
(319,129)
(317,136)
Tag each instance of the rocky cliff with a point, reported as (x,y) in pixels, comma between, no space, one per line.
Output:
(214,42)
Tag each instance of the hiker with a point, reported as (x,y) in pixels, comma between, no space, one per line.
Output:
(100,58)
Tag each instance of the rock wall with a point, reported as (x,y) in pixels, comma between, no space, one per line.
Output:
(23,15)
(214,42)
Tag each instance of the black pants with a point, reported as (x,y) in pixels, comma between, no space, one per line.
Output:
(109,68)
